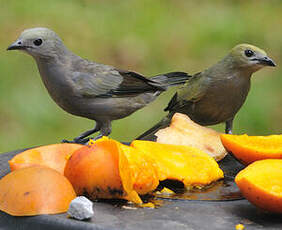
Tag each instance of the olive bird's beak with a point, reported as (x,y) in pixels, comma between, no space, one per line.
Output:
(266,61)
(17,46)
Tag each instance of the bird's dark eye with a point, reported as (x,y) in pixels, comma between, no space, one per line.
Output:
(37,42)
(249,53)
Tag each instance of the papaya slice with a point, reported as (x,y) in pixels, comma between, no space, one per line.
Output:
(35,190)
(261,184)
(53,156)
(248,149)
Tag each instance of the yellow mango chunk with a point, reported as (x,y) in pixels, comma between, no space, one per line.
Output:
(187,164)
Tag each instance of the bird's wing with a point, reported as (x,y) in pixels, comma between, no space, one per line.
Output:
(191,92)
(112,83)
(134,83)
(194,89)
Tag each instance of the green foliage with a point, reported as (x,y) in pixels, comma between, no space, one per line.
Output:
(148,36)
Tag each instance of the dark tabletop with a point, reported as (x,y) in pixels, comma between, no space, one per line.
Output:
(171,215)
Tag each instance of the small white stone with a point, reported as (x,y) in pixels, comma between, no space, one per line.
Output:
(81,208)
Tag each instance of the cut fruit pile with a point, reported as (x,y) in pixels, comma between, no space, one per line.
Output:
(44,180)
(125,171)
(103,169)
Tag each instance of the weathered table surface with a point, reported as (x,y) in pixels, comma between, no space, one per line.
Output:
(173,214)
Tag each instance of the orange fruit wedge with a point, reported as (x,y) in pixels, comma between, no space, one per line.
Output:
(261,184)
(248,149)
(53,156)
(35,190)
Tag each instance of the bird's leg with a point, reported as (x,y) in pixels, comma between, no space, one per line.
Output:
(228,126)
(105,130)
(81,139)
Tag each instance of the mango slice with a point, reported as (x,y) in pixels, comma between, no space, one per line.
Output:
(35,190)
(261,184)
(252,148)
(144,174)
(183,131)
(53,156)
(186,164)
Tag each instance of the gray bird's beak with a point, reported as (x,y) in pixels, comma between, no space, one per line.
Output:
(266,61)
(16,46)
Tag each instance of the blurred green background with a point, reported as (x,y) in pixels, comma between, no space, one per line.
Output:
(147,36)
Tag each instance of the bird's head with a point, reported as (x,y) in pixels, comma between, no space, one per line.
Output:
(250,57)
(38,42)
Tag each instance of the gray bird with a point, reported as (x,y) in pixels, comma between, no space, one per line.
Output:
(216,94)
(88,89)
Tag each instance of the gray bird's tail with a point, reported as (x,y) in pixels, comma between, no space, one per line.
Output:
(171,79)
(149,135)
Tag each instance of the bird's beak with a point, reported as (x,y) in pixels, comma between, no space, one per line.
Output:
(266,61)
(16,46)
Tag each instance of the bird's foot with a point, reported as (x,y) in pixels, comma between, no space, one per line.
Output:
(228,132)
(82,141)
(96,138)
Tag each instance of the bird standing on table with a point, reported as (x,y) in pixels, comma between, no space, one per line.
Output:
(216,94)
(88,89)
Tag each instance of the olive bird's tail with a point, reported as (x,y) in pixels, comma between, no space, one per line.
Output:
(165,81)
(149,135)
(171,79)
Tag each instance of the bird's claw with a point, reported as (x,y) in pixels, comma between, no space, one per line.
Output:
(96,138)
(228,132)
(66,141)
(82,141)
(76,141)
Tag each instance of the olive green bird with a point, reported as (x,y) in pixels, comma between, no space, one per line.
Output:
(216,94)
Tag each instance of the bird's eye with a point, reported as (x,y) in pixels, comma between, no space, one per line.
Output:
(37,42)
(249,53)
